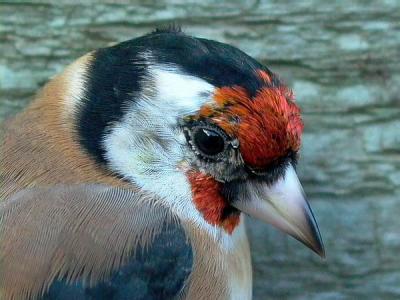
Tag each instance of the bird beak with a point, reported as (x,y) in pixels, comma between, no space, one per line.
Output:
(283,204)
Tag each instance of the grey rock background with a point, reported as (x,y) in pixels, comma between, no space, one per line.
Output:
(342,59)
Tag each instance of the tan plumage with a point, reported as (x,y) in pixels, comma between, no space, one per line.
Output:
(80,232)
(214,269)
(41,158)
(40,146)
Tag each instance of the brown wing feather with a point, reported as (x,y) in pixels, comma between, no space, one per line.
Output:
(76,232)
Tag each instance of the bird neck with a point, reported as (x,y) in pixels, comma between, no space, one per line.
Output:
(222,264)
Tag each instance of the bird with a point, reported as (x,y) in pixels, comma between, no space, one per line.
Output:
(131,174)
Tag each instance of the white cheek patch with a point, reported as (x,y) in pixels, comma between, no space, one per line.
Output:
(147,148)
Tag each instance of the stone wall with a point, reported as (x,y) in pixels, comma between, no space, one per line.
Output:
(342,59)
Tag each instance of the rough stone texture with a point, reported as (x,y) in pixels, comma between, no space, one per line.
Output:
(342,60)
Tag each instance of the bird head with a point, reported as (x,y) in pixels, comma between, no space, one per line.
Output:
(203,126)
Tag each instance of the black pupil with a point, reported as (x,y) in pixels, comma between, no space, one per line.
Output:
(208,141)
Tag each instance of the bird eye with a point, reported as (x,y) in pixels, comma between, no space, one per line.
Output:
(208,141)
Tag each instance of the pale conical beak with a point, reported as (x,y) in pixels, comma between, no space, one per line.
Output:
(283,205)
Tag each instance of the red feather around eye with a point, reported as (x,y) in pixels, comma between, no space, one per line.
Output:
(268,126)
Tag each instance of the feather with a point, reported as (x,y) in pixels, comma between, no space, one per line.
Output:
(77,232)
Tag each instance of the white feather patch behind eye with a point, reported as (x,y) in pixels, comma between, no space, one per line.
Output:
(146,147)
